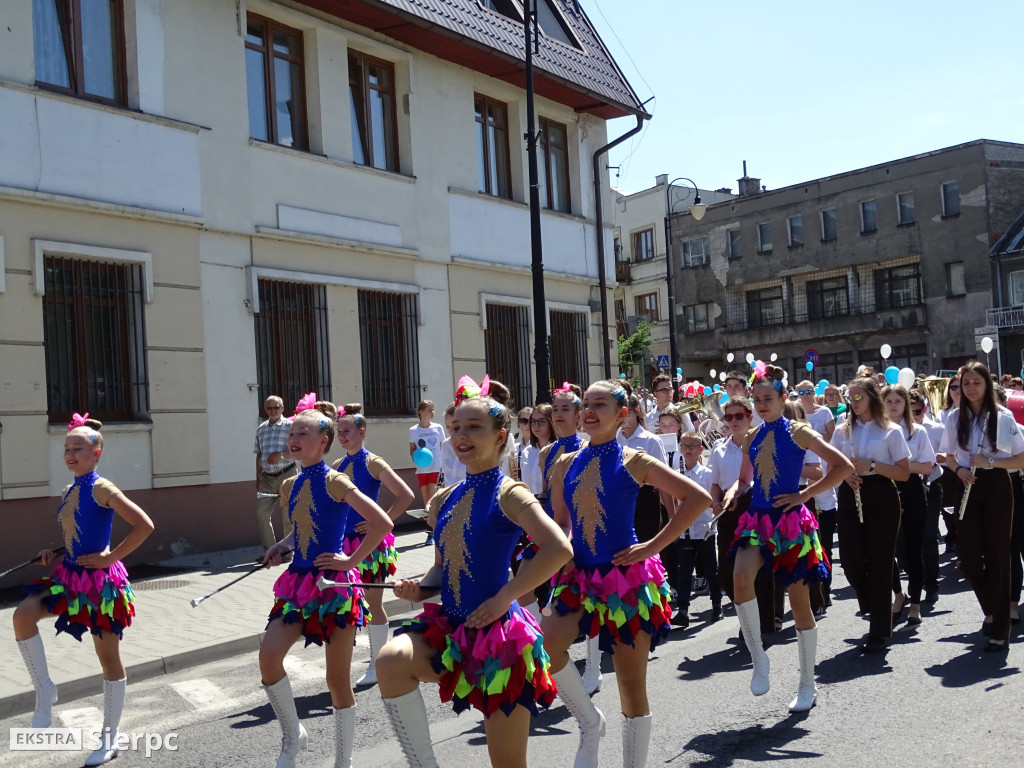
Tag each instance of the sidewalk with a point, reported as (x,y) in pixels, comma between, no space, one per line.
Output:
(168,634)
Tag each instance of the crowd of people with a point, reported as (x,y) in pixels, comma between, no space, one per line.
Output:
(586,518)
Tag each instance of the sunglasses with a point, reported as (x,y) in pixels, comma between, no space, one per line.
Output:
(805,392)
(524,421)
(857,398)
(690,446)
(917,411)
(735,416)
(954,388)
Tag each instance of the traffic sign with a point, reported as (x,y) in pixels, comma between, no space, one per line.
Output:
(811,356)
(663,361)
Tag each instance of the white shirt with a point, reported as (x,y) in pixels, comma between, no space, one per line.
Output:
(642,440)
(454,470)
(872,442)
(934,430)
(724,463)
(529,470)
(432,438)
(701,475)
(979,442)
(921,450)
(654,415)
(825,499)
(820,419)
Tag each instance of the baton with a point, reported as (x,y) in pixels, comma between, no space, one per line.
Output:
(323,583)
(27,563)
(196,601)
(262,495)
(710,525)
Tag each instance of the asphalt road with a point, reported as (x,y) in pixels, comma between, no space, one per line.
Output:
(933,699)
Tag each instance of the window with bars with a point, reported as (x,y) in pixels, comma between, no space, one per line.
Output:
(292,351)
(913,356)
(554,166)
(836,367)
(493,165)
(897,287)
(696,251)
(79,48)
(94,334)
(371,86)
(275,83)
(507,345)
(389,345)
(764,307)
(646,304)
(697,317)
(643,245)
(568,340)
(828,298)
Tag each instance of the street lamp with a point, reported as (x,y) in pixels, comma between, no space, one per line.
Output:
(697,210)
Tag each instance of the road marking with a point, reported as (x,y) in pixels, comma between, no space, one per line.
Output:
(204,695)
(88,718)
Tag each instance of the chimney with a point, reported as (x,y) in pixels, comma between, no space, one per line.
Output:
(661,180)
(748,185)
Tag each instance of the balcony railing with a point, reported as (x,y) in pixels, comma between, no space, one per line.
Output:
(1005,317)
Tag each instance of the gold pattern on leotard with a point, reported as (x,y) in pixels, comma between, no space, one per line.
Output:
(585,500)
(67,519)
(764,464)
(558,451)
(349,472)
(453,544)
(302,518)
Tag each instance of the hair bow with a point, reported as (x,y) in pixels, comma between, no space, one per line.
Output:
(306,402)
(564,389)
(468,388)
(78,420)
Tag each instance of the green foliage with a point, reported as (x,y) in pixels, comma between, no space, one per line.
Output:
(631,348)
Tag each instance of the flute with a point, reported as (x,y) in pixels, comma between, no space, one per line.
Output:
(856,491)
(974,473)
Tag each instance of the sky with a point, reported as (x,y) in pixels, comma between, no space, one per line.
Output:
(803,90)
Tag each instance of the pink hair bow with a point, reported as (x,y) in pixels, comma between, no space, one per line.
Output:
(78,420)
(468,388)
(565,389)
(341,411)
(306,402)
(759,369)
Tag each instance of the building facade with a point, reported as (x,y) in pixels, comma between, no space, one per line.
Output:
(1005,320)
(832,269)
(209,202)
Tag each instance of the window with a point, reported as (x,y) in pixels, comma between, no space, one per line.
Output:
(764,238)
(568,340)
(507,345)
(697,317)
(696,251)
(79,48)
(951,198)
(868,217)
(735,243)
(552,23)
(647,306)
(275,83)
(94,335)
(829,225)
(764,307)
(389,346)
(495,174)
(836,367)
(913,356)
(828,298)
(905,208)
(554,166)
(504,7)
(643,245)
(1015,281)
(292,355)
(371,87)
(795,230)
(955,284)
(898,287)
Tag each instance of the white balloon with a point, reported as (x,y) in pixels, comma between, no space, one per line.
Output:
(906,378)
(774,357)
(730,357)
(721,376)
(713,373)
(886,350)
(986,345)
(750,358)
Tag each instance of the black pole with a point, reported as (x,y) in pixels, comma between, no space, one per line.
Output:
(673,344)
(540,317)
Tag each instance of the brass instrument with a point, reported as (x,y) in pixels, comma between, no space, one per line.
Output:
(711,407)
(935,390)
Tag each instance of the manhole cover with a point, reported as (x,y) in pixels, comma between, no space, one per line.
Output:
(159,584)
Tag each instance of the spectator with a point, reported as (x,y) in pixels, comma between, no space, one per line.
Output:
(272,466)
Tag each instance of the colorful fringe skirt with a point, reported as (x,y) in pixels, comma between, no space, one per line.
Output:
(616,601)
(498,667)
(380,564)
(95,599)
(299,600)
(788,542)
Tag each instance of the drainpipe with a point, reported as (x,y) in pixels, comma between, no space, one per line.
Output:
(602,278)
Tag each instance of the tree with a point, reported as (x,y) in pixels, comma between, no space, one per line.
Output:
(632,347)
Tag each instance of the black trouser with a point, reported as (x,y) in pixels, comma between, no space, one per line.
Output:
(868,547)
(819,591)
(930,538)
(952,491)
(1017,538)
(689,552)
(983,545)
(915,516)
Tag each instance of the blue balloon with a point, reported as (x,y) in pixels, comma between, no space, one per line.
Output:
(892,375)
(622,375)
(809,366)
(679,371)
(820,388)
(422,457)
(707,390)
(717,387)
(725,398)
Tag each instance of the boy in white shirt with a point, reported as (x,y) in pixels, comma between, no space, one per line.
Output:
(428,435)
(692,545)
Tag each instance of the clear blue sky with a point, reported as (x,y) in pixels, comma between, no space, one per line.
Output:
(802,89)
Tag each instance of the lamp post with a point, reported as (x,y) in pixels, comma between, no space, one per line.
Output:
(697,210)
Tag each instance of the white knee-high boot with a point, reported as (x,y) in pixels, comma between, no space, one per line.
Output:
(750,624)
(378,639)
(636,738)
(294,735)
(34,655)
(409,719)
(591,720)
(807,693)
(592,671)
(113,706)
(344,736)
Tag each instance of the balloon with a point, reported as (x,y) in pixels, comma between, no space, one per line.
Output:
(422,457)
(730,357)
(725,398)
(892,375)
(750,358)
(714,373)
(622,375)
(721,376)
(809,366)
(886,350)
(819,388)
(906,377)
(986,345)
(679,371)
(774,357)
(707,391)
(717,387)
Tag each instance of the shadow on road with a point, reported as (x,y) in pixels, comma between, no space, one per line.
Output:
(754,743)
(730,659)
(972,667)
(852,664)
(308,707)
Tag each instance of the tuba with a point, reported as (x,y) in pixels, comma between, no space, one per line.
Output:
(935,390)
(711,407)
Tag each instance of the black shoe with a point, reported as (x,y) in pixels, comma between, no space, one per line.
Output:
(995,646)
(430,539)
(778,624)
(931,596)
(716,612)
(873,644)
(681,619)
(986,629)
(820,613)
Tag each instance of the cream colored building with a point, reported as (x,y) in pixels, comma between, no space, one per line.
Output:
(245,197)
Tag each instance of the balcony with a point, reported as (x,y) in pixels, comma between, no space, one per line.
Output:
(1005,318)
(622,272)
